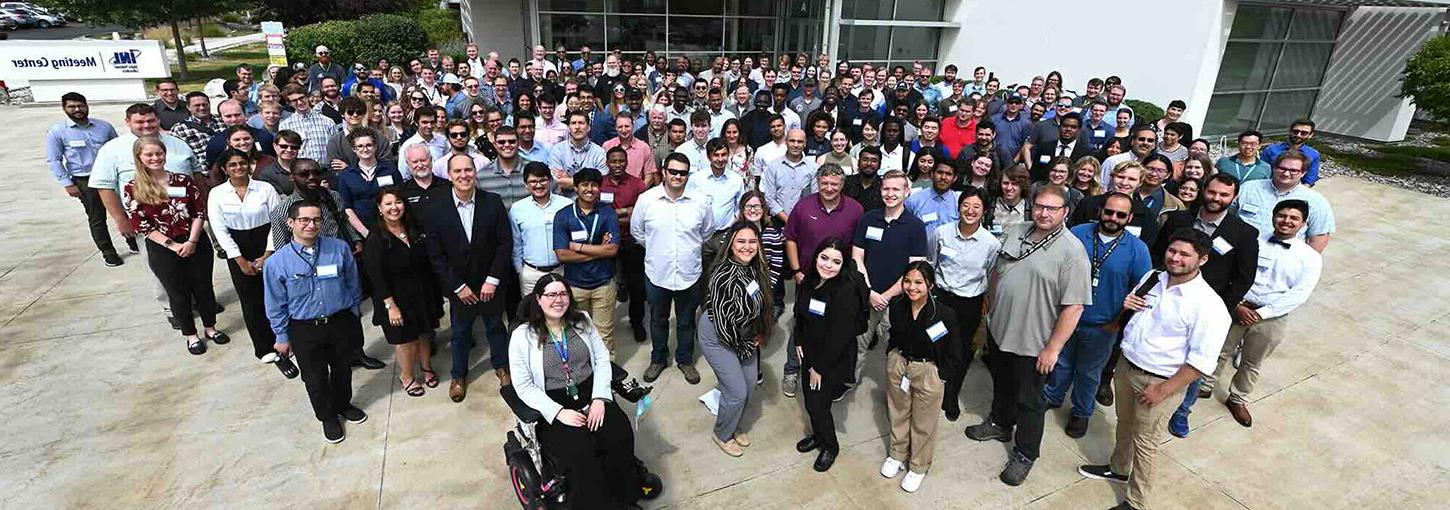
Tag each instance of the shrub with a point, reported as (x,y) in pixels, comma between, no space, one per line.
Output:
(1143,111)
(366,40)
(1426,78)
(441,25)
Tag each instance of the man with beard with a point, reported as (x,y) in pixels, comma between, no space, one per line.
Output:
(865,185)
(985,143)
(1118,260)
(70,150)
(1144,142)
(1172,340)
(1300,132)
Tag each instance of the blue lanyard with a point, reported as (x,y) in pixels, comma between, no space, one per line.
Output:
(588,229)
(561,347)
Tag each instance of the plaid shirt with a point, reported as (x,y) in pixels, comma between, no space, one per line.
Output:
(196,133)
(315,129)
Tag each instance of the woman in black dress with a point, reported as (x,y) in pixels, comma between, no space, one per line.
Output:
(829,308)
(405,292)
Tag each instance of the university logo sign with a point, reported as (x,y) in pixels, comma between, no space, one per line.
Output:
(126,61)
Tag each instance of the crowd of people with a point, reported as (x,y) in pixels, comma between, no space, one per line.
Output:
(1087,254)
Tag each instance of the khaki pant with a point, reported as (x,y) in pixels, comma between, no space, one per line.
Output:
(599,302)
(1140,430)
(880,325)
(913,415)
(1255,344)
(529,276)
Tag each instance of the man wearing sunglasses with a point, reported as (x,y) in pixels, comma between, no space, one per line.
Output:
(672,223)
(1300,132)
(458,143)
(354,117)
(1142,142)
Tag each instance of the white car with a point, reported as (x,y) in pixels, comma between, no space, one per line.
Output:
(44,19)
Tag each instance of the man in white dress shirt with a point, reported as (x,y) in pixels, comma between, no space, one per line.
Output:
(1179,325)
(1288,271)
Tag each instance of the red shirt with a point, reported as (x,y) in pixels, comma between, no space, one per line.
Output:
(172,218)
(954,138)
(621,195)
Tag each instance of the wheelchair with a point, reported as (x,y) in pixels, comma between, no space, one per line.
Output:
(536,482)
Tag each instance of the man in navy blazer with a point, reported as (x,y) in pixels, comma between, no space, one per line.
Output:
(470,244)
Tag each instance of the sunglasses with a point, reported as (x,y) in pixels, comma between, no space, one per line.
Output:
(1109,213)
(352,112)
(458,134)
(678,173)
(288,146)
(416,98)
(1146,139)
(505,142)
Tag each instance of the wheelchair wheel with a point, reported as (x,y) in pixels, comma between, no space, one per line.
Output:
(651,486)
(526,481)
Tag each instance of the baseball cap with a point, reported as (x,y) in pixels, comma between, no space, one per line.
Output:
(1015,98)
(359,68)
(451,79)
(903,86)
(321,49)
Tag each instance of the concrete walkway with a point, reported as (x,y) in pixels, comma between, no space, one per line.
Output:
(103,407)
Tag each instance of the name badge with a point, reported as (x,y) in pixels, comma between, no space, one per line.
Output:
(577,235)
(232,209)
(1222,246)
(951,109)
(327,271)
(936,331)
(905,385)
(1044,158)
(1099,133)
(77,144)
(856,122)
(817,307)
(606,197)
(1137,231)
(753,289)
(947,251)
(385,180)
(874,233)
(176,191)
(928,217)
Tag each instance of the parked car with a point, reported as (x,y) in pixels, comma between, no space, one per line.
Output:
(21,19)
(7,23)
(44,19)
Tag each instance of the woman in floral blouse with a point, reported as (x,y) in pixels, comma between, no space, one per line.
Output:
(169,209)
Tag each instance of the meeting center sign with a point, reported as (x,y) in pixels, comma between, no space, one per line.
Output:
(109,69)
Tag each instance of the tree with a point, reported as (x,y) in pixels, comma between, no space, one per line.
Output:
(1427,77)
(294,13)
(143,13)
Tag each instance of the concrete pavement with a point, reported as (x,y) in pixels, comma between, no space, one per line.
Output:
(103,407)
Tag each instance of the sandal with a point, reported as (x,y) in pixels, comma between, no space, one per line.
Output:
(196,348)
(413,388)
(430,378)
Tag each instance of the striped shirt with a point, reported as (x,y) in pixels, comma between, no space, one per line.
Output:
(734,306)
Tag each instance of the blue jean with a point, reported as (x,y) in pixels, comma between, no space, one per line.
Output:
(685,303)
(1080,366)
(1189,398)
(461,319)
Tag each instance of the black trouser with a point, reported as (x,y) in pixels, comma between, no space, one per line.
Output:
(818,410)
(969,317)
(95,215)
(325,354)
(1017,397)
(600,466)
(1112,364)
(252,243)
(187,281)
(631,271)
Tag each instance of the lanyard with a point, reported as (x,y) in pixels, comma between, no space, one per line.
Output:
(1099,261)
(1044,242)
(588,229)
(561,347)
(311,264)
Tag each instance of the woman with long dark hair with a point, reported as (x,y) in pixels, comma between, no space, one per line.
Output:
(733,326)
(240,212)
(830,310)
(561,369)
(922,353)
(405,291)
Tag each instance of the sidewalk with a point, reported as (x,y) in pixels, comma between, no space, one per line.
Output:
(218,44)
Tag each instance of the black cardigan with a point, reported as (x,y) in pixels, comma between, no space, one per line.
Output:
(828,344)
(947,352)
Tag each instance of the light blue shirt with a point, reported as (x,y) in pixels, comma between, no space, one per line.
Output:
(309,283)
(784,182)
(539,152)
(565,156)
(533,228)
(1256,203)
(934,209)
(70,148)
(723,193)
(116,165)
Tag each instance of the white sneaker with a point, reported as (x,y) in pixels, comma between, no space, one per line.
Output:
(912,481)
(890,468)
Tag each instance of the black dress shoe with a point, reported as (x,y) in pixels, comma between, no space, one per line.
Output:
(369,362)
(1105,395)
(952,413)
(112,259)
(132,245)
(824,460)
(219,338)
(807,444)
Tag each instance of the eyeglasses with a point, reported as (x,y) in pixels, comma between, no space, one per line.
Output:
(1048,208)
(1282,168)
(298,99)
(752,207)
(458,134)
(678,173)
(418,98)
(304,220)
(554,295)
(537,182)
(1109,213)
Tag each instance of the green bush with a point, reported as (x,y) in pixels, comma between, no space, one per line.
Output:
(1427,77)
(1143,111)
(366,40)
(441,25)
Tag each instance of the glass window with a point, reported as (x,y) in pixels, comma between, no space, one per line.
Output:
(1284,107)
(637,33)
(1229,114)
(637,6)
(706,7)
(1315,24)
(912,44)
(864,43)
(696,34)
(570,5)
(1302,65)
(919,10)
(749,35)
(572,30)
(750,7)
(1260,22)
(867,9)
(1246,66)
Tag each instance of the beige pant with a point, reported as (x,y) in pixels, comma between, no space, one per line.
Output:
(599,302)
(529,276)
(1140,430)
(879,324)
(913,415)
(1256,343)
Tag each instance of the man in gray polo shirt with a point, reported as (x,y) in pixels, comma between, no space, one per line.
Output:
(1036,294)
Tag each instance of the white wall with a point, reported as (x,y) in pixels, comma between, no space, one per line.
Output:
(1163,49)
(497,25)
(1363,79)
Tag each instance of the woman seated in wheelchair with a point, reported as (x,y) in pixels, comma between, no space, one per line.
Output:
(561,369)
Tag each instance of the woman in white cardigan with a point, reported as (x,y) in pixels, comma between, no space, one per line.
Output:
(555,359)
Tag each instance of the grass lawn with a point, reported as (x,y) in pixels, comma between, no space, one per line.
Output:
(222,64)
(1394,160)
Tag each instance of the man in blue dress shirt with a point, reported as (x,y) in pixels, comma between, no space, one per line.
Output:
(70,150)
(312,293)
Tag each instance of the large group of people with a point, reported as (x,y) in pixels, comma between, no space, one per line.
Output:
(1104,257)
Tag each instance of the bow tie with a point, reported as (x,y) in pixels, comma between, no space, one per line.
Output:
(1280,242)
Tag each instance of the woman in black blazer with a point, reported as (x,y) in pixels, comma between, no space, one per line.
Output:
(830,311)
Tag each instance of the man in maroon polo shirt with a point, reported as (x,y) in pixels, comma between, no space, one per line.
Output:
(621,190)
